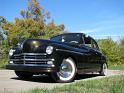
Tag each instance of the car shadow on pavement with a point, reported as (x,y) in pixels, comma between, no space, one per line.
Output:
(38,79)
(86,76)
(47,79)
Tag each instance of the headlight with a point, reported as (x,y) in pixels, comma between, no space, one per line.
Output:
(49,49)
(11,52)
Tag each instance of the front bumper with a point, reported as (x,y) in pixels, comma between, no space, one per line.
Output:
(32,67)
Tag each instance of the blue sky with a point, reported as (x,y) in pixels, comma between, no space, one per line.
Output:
(98,18)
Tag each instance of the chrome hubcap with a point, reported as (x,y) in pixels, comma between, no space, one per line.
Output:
(66,70)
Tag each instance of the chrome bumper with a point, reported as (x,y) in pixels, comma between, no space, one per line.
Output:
(31,67)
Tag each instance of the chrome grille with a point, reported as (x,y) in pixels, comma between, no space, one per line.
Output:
(30,58)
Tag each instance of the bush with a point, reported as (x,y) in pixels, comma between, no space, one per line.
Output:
(3,62)
(112,51)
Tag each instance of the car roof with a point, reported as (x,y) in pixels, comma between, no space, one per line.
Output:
(72,33)
(78,33)
(67,34)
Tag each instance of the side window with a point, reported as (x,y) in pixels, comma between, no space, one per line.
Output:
(87,41)
(90,43)
(94,45)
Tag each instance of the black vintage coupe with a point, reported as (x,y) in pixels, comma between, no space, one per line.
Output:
(61,57)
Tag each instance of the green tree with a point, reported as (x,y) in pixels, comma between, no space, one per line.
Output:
(1,30)
(111,49)
(121,49)
(36,23)
(121,53)
(122,41)
(3,42)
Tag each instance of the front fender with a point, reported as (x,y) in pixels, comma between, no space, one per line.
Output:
(63,53)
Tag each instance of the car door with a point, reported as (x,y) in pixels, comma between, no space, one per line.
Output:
(95,56)
(85,59)
(84,63)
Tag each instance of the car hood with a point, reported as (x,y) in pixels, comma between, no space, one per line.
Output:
(35,45)
(39,45)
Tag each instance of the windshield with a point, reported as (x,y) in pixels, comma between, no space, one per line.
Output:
(70,38)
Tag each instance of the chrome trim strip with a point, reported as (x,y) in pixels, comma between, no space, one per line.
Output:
(42,65)
(29,62)
(69,51)
(31,59)
(31,54)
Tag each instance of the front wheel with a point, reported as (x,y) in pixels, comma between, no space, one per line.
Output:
(23,75)
(67,71)
(104,69)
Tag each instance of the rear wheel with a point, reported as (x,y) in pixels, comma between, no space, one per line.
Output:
(104,70)
(23,75)
(67,71)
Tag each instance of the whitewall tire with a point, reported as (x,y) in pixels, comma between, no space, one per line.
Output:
(104,69)
(67,71)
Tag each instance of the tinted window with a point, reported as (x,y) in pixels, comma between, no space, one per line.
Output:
(94,44)
(90,42)
(56,38)
(87,41)
(70,38)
